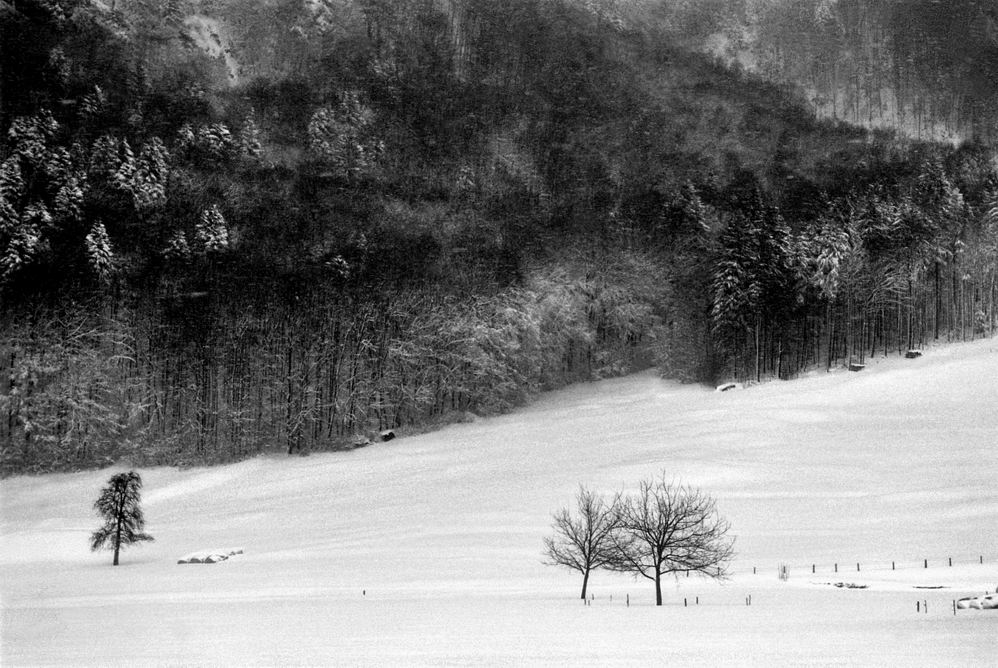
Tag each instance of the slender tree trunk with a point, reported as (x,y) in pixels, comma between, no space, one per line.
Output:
(830,329)
(758,376)
(938,301)
(117,527)
(585,583)
(658,588)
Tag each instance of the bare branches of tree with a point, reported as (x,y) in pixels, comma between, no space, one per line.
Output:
(667,528)
(582,541)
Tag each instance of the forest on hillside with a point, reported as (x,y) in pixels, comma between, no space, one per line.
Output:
(927,68)
(229,227)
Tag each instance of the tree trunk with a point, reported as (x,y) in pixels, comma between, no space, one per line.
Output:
(585,583)
(939,298)
(658,588)
(117,539)
(758,376)
(117,525)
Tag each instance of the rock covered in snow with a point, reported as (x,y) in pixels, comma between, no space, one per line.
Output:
(209,556)
(359,441)
(724,387)
(986,602)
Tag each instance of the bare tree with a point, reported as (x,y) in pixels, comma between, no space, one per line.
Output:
(583,542)
(668,528)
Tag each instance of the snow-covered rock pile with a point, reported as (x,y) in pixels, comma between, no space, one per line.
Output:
(209,556)
(986,602)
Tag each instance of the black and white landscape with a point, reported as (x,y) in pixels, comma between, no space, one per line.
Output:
(317,317)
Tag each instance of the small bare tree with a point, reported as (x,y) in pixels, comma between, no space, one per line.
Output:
(668,528)
(583,542)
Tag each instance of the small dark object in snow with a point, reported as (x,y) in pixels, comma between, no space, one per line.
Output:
(387,435)
(727,386)
(912,354)
(850,585)
(853,366)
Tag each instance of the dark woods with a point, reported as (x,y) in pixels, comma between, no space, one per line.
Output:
(375,215)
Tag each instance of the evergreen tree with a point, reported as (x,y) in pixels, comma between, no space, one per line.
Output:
(118,504)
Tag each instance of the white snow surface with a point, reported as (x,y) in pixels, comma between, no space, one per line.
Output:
(426,550)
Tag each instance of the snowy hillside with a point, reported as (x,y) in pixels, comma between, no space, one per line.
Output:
(427,550)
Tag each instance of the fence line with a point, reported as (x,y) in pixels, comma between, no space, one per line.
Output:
(786,570)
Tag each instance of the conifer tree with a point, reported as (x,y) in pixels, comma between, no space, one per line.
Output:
(118,504)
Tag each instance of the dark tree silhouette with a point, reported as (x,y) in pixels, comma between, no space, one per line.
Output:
(118,504)
(667,528)
(582,541)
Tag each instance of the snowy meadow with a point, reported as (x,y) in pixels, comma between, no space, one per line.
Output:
(427,550)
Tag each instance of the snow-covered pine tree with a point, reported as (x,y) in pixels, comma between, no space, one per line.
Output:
(118,504)
(99,252)
(211,230)
(753,284)
(248,144)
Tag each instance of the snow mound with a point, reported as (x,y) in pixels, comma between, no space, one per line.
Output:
(986,602)
(209,556)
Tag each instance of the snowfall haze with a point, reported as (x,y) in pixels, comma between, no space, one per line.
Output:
(427,550)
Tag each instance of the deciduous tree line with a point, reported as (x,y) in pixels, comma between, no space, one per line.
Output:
(204,379)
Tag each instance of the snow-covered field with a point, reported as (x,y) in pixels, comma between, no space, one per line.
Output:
(427,549)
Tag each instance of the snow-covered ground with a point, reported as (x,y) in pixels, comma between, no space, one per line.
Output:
(427,549)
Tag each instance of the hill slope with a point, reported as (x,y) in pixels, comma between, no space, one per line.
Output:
(426,550)
(231,227)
